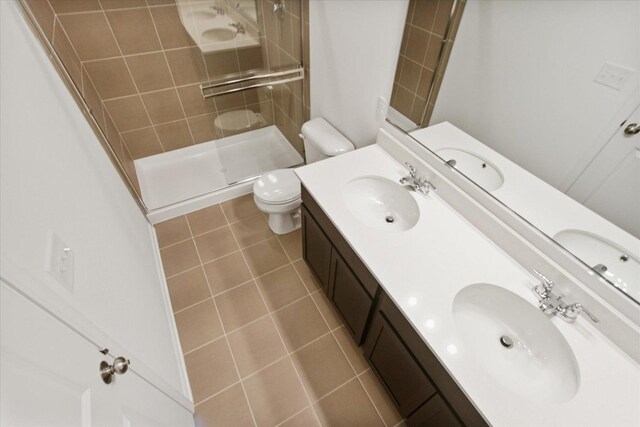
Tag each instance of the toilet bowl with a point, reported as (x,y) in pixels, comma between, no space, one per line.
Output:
(277,193)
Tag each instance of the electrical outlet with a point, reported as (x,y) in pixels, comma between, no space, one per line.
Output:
(60,264)
(383,108)
(614,76)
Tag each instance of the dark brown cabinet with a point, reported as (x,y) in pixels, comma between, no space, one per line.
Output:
(419,385)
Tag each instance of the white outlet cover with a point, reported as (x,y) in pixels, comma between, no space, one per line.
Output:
(383,108)
(60,261)
(614,76)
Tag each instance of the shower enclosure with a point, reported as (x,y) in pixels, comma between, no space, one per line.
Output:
(192,99)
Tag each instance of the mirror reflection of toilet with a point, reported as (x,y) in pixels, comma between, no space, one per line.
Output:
(277,193)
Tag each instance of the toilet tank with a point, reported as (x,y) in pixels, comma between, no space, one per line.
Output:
(321,140)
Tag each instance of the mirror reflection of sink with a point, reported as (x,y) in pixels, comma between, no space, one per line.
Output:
(381,203)
(473,167)
(618,265)
(516,344)
(204,14)
(218,35)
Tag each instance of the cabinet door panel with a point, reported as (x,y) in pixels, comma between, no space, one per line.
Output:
(394,364)
(434,413)
(350,297)
(316,248)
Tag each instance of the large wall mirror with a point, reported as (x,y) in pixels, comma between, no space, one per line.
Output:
(537,102)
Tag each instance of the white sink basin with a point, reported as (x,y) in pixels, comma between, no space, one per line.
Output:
(218,35)
(619,266)
(539,366)
(473,167)
(381,203)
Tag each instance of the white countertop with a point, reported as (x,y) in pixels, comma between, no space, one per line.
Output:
(423,268)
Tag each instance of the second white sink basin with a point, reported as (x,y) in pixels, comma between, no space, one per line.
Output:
(516,344)
(218,35)
(381,203)
(473,167)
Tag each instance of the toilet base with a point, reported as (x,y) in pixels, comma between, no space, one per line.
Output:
(284,223)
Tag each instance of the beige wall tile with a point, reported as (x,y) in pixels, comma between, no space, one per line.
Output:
(90,35)
(417,44)
(221,63)
(256,345)
(424,14)
(202,128)
(193,103)
(187,66)
(322,366)
(442,17)
(229,408)
(240,306)
(275,393)
(281,287)
(410,74)
(111,78)
(142,143)
(90,95)
(299,323)
(70,6)
(265,257)
(68,55)
(174,135)
(424,84)
(227,272)
(206,219)
(128,113)
(178,258)
(172,231)
(232,101)
(251,59)
(163,106)
(172,32)
(198,325)
(348,406)
(134,30)
(210,369)
(150,71)
(43,13)
(431,58)
(216,244)
(188,288)
(122,4)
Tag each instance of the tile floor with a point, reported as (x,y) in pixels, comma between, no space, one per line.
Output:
(261,342)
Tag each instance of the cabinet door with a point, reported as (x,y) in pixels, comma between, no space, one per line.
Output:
(349,297)
(395,365)
(434,413)
(316,248)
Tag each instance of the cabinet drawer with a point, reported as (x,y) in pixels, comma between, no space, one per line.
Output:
(350,298)
(316,248)
(393,362)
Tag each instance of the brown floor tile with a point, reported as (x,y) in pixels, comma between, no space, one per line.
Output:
(240,306)
(348,406)
(292,244)
(308,278)
(198,325)
(216,244)
(227,272)
(240,208)
(227,409)
(281,287)
(275,393)
(305,418)
(299,323)
(188,288)
(172,231)
(251,230)
(179,257)
(353,352)
(206,219)
(380,398)
(210,369)
(329,313)
(265,257)
(322,366)
(256,345)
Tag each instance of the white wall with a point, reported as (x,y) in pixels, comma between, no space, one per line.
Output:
(354,48)
(55,176)
(520,79)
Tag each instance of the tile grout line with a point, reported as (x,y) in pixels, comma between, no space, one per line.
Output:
(235,364)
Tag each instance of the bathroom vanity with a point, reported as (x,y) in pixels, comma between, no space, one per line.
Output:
(445,317)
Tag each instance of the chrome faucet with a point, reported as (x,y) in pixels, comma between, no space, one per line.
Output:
(239,27)
(551,303)
(217,9)
(420,185)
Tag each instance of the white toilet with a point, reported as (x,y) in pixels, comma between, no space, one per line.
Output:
(277,193)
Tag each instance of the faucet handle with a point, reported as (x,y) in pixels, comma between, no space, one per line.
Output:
(573,310)
(412,170)
(545,286)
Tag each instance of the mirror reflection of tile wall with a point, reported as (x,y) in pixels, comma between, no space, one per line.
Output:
(138,64)
(422,42)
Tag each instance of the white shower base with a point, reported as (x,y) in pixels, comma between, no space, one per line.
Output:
(191,178)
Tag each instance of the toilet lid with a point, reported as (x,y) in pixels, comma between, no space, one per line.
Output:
(277,187)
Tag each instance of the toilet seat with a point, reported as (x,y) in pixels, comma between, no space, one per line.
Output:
(277,187)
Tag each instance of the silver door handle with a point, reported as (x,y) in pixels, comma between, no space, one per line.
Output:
(632,129)
(120,366)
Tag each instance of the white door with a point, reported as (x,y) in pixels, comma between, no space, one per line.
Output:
(50,377)
(610,185)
